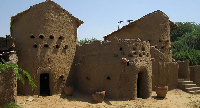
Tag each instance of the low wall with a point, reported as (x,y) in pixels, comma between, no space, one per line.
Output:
(184,69)
(165,72)
(195,74)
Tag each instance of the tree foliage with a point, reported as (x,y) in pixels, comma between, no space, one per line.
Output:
(186,42)
(5,66)
(87,40)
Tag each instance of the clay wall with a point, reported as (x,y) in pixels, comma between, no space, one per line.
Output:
(165,73)
(153,27)
(8,81)
(195,74)
(184,69)
(46,43)
(99,66)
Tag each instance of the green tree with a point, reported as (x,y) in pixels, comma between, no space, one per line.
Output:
(185,42)
(87,40)
(4,67)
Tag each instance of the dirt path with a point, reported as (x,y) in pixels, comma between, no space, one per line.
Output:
(175,99)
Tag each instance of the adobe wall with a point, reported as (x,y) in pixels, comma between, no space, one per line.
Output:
(165,73)
(99,66)
(46,37)
(184,69)
(8,81)
(153,27)
(195,74)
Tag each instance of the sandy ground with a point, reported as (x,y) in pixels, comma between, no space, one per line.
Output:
(175,99)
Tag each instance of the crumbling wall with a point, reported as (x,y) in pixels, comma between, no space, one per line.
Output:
(165,73)
(8,81)
(46,37)
(195,74)
(114,67)
(184,69)
(154,27)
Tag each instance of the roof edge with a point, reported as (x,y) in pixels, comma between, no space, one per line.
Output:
(136,21)
(23,12)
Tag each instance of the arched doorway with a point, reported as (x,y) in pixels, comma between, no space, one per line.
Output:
(44,84)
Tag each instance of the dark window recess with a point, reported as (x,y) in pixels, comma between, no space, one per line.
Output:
(61,77)
(51,37)
(162,47)
(120,49)
(135,53)
(167,40)
(149,40)
(46,45)
(41,37)
(35,45)
(140,55)
(134,48)
(57,46)
(66,46)
(108,78)
(61,37)
(147,54)
(143,53)
(32,36)
(160,40)
(127,63)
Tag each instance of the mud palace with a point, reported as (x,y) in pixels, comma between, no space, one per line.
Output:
(129,63)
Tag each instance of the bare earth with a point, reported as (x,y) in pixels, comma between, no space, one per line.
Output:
(175,99)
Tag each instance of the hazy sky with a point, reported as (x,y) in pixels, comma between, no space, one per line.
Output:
(101,16)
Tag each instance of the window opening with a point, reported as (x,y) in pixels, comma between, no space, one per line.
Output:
(46,45)
(35,45)
(140,55)
(61,37)
(51,37)
(57,46)
(32,36)
(108,78)
(41,37)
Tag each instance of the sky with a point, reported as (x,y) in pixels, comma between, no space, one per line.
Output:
(101,16)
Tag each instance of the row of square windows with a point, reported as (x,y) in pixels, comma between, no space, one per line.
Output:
(46,45)
(42,37)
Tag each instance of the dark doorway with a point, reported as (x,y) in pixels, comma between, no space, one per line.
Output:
(44,85)
(143,85)
(139,85)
